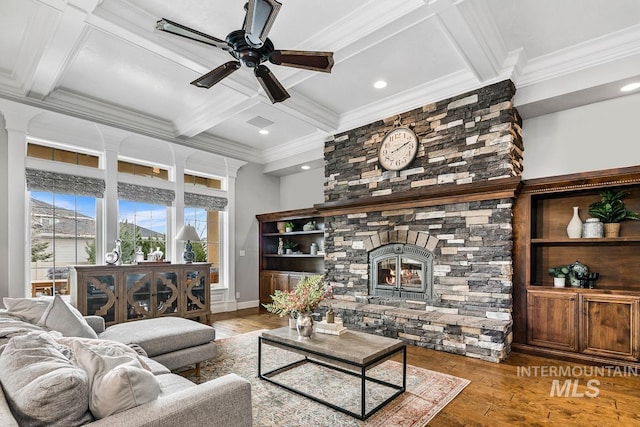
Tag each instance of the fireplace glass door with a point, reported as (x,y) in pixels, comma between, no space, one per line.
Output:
(401,270)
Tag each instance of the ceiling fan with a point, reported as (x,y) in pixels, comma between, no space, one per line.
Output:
(251,47)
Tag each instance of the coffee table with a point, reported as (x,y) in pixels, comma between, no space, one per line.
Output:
(351,353)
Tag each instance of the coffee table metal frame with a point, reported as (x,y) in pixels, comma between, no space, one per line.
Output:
(361,370)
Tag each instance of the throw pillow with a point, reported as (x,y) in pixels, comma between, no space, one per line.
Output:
(117,383)
(42,386)
(66,319)
(28,309)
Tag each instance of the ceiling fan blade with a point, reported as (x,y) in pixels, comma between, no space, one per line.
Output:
(315,61)
(259,19)
(271,85)
(215,75)
(189,33)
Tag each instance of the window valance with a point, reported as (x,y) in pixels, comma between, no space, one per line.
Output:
(211,203)
(40,180)
(141,193)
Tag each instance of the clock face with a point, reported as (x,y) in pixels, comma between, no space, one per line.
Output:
(398,149)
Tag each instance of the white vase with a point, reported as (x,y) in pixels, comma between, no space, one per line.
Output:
(574,228)
(558,282)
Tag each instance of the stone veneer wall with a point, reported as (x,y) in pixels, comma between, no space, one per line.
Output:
(471,138)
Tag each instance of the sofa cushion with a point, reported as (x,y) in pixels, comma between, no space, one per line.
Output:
(66,319)
(27,309)
(42,386)
(117,383)
(161,335)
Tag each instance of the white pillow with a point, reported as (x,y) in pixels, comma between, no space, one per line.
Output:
(117,383)
(66,319)
(42,386)
(28,309)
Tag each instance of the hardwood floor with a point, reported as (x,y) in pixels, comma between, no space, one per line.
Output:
(522,391)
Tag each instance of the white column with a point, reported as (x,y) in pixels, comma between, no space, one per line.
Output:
(15,277)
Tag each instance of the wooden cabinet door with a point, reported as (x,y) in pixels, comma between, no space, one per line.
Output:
(266,287)
(609,326)
(281,281)
(552,319)
(294,278)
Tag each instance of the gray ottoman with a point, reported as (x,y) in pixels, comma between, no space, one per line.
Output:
(173,341)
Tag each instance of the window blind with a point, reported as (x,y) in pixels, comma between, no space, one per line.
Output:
(211,203)
(40,180)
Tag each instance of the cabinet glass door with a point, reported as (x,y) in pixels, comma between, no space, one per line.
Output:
(166,293)
(139,302)
(101,296)
(196,296)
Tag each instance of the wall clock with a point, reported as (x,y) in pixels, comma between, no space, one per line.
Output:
(398,149)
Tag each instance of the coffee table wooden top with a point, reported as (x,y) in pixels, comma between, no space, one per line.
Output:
(356,347)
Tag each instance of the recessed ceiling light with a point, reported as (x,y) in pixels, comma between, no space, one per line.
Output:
(380,84)
(263,132)
(305,167)
(630,87)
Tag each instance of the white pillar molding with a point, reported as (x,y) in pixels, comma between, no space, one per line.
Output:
(18,257)
(105,240)
(228,272)
(180,159)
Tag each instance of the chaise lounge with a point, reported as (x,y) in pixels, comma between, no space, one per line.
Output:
(120,375)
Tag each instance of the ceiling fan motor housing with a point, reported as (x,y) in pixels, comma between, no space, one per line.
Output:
(243,51)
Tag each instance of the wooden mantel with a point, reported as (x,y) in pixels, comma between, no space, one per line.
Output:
(436,196)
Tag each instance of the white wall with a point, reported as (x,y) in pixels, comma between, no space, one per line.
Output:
(302,190)
(256,193)
(597,136)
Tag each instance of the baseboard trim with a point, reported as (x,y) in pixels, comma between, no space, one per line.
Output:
(248,304)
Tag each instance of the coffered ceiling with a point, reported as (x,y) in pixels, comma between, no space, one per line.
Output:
(104,60)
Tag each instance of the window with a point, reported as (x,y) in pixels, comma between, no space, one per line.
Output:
(59,155)
(207,223)
(202,181)
(63,233)
(142,225)
(143,170)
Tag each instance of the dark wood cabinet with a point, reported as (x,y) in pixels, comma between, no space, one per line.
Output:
(131,292)
(283,271)
(596,325)
(552,319)
(610,326)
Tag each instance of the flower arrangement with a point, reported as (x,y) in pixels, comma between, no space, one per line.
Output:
(306,296)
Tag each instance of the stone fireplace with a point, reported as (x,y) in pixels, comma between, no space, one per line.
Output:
(424,254)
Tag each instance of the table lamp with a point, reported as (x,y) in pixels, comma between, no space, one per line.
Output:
(188,233)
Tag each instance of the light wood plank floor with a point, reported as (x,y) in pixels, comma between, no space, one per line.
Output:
(504,394)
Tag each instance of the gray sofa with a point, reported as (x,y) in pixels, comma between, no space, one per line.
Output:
(225,401)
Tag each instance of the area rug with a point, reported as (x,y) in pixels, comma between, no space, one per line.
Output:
(428,392)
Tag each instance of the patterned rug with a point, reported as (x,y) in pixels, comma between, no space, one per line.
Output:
(427,391)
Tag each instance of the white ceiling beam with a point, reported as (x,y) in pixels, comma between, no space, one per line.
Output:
(474,36)
(62,46)
(212,113)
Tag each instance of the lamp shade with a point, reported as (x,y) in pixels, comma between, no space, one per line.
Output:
(188,232)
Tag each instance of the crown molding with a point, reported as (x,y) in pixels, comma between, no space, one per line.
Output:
(584,55)
(296,147)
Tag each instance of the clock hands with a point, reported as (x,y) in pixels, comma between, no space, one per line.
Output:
(401,147)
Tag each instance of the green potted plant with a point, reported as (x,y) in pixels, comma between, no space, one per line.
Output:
(289,246)
(300,302)
(288,226)
(559,275)
(611,210)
